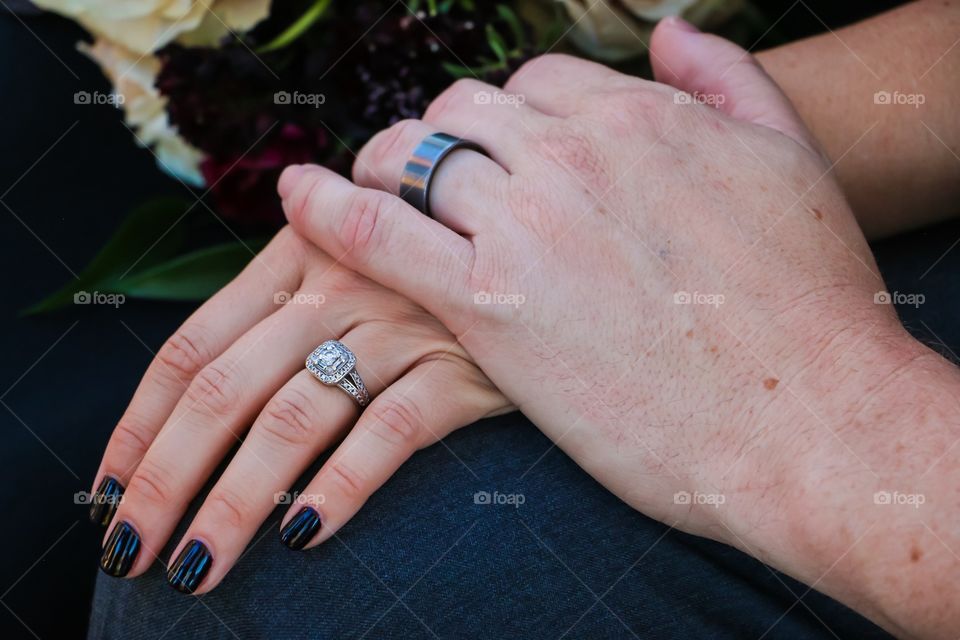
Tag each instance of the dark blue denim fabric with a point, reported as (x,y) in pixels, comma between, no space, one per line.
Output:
(424,560)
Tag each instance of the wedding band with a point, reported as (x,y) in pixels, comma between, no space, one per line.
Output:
(423,163)
(333,364)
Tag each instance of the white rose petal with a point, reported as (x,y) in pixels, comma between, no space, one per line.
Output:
(143,26)
(144,108)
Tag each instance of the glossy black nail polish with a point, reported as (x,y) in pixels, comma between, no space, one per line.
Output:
(105,501)
(301,529)
(190,567)
(120,551)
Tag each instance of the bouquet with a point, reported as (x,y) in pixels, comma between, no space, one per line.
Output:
(226,93)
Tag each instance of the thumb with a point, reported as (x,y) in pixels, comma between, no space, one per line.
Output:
(705,64)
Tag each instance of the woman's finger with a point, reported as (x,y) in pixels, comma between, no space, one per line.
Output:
(303,419)
(217,407)
(418,410)
(461,188)
(233,310)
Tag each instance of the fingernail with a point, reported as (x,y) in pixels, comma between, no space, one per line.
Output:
(105,501)
(190,567)
(301,529)
(120,551)
(679,23)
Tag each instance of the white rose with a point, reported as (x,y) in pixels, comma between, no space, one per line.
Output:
(143,26)
(133,76)
(614,30)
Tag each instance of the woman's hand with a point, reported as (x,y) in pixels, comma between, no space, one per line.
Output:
(239,360)
(680,297)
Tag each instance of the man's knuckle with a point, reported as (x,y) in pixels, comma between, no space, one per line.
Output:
(397,423)
(393,145)
(456,94)
(361,226)
(547,64)
(578,153)
(287,419)
(634,108)
(214,389)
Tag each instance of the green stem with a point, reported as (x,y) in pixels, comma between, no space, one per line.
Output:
(298,28)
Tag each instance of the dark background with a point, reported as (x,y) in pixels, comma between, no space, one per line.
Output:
(68,174)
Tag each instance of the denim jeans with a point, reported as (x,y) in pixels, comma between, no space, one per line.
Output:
(493,533)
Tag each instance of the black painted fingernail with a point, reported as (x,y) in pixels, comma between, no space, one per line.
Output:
(301,529)
(120,551)
(190,567)
(105,501)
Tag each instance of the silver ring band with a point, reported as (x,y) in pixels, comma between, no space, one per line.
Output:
(423,163)
(333,364)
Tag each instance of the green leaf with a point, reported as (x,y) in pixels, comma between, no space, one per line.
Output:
(298,28)
(497,44)
(507,15)
(147,257)
(153,233)
(194,276)
(458,71)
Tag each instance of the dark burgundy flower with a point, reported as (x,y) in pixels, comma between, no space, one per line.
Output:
(245,186)
(363,67)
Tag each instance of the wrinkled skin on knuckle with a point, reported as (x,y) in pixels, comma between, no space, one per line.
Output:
(360,230)
(286,420)
(132,436)
(184,354)
(214,390)
(397,423)
(348,480)
(154,484)
(232,510)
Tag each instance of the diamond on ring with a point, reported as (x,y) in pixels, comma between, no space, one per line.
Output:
(332,363)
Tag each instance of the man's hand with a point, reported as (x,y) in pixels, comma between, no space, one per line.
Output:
(670,284)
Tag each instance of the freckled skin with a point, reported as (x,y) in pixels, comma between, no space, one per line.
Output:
(615,376)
